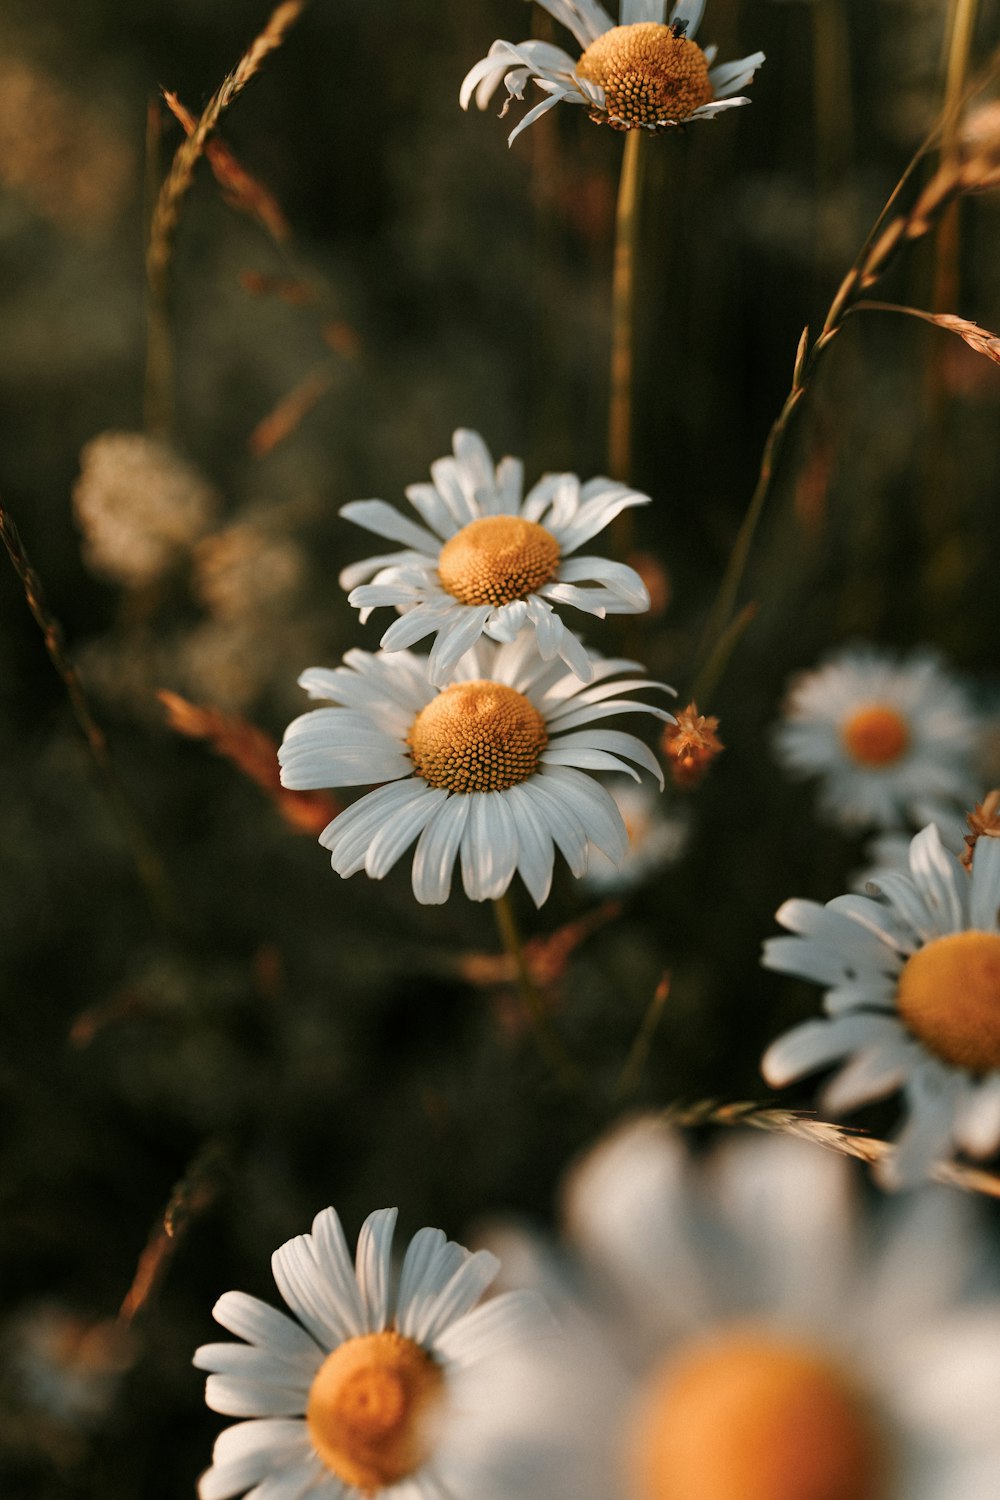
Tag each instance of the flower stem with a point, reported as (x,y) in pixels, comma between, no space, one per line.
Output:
(623,318)
(549,1044)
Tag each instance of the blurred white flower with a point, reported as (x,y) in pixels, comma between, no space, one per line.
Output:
(645,73)
(912,1000)
(64,1365)
(892,739)
(889,853)
(654,840)
(248,570)
(356,1397)
(491,562)
(742,1332)
(139,506)
(491,769)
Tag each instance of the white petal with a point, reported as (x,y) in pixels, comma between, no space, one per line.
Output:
(561,819)
(430,1262)
(690,11)
(377,516)
(396,836)
(535,850)
(505,1319)
(265,1326)
(596,808)
(936,874)
(329,1247)
(817,1043)
(436,849)
(374,1266)
(261,1365)
(464,1289)
(309,1294)
(454,640)
(985,895)
(489,847)
(248,1398)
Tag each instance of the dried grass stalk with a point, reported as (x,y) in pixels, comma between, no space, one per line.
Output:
(240,189)
(979,339)
(254,753)
(280,423)
(841,1138)
(192,1195)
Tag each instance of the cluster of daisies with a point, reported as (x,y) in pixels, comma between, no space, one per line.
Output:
(482,749)
(741,1328)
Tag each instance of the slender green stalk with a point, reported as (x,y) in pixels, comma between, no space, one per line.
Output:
(623,311)
(549,1044)
(638,1056)
(962,25)
(147,862)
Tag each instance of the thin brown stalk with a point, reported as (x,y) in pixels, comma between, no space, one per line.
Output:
(284,418)
(623,311)
(240,189)
(638,1055)
(192,1195)
(838,1138)
(962,25)
(167,210)
(147,862)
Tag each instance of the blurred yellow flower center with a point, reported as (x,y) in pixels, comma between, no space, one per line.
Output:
(649,75)
(876,735)
(497,559)
(477,737)
(751,1416)
(369,1409)
(949,997)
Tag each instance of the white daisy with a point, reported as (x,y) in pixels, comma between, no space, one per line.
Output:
(912,1000)
(356,1398)
(654,841)
(491,562)
(890,852)
(741,1331)
(892,738)
(491,769)
(646,73)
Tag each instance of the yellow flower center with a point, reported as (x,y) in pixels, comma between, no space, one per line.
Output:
(876,735)
(750,1416)
(649,75)
(369,1409)
(477,737)
(949,997)
(497,559)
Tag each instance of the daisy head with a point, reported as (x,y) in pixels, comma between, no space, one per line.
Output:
(738,1328)
(912,980)
(355,1394)
(891,738)
(488,561)
(648,73)
(492,770)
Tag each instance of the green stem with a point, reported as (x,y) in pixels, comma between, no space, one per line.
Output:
(623,311)
(549,1044)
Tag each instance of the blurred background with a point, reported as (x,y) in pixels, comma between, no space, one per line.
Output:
(287,1039)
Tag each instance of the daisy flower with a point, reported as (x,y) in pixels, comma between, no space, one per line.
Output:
(355,1398)
(654,841)
(740,1330)
(491,769)
(489,562)
(646,73)
(892,739)
(912,1000)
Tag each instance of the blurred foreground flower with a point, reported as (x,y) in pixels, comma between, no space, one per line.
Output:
(64,1365)
(493,562)
(912,1000)
(643,74)
(490,769)
(139,505)
(248,569)
(745,1335)
(892,739)
(357,1397)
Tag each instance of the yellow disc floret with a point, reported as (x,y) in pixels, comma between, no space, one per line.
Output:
(649,75)
(497,559)
(369,1409)
(949,997)
(748,1415)
(477,737)
(876,735)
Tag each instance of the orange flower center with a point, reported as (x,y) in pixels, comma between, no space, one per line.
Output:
(477,737)
(649,75)
(949,997)
(876,735)
(369,1409)
(750,1416)
(497,559)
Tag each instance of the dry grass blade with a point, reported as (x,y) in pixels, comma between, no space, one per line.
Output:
(280,423)
(979,339)
(255,754)
(840,1138)
(638,1055)
(166,214)
(240,189)
(192,1195)
(147,862)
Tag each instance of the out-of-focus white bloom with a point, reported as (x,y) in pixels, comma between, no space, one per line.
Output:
(139,505)
(491,770)
(892,739)
(644,74)
(248,570)
(356,1398)
(889,853)
(912,1000)
(741,1332)
(64,1365)
(654,840)
(488,562)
